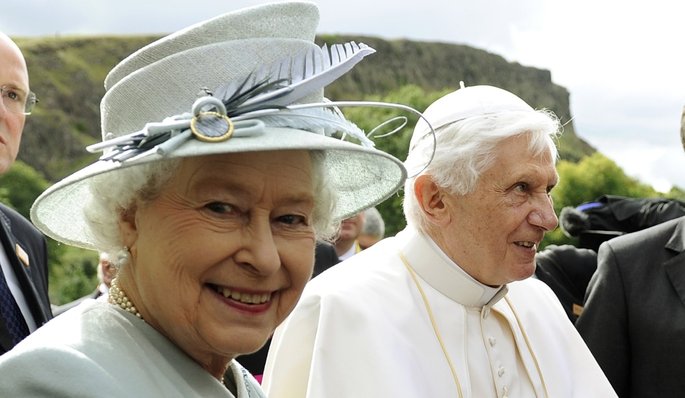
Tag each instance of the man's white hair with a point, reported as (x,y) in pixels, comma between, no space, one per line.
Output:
(465,148)
(373,223)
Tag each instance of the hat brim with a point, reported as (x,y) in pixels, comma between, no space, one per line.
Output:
(360,176)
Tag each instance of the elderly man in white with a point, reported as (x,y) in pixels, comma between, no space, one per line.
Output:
(446,308)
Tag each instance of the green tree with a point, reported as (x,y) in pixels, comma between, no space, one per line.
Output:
(369,118)
(74,275)
(676,193)
(593,176)
(21,185)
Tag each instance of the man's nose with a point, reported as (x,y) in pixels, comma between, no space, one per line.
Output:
(543,214)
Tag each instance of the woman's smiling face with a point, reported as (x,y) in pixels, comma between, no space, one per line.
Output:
(221,255)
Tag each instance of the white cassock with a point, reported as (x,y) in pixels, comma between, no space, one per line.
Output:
(400,319)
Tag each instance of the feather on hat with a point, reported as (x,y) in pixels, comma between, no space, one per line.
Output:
(249,80)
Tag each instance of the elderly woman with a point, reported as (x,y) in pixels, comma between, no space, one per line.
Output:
(217,179)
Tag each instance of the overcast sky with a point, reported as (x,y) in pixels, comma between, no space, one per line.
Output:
(622,61)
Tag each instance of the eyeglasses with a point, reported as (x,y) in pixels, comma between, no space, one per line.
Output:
(16,101)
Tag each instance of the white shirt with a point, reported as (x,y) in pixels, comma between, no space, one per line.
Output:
(354,249)
(104,293)
(363,329)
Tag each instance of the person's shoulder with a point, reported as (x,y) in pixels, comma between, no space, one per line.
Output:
(12,214)
(536,295)
(53,360)
(57,335)
(88,332)
(61,309)
(529,288)
(18,223)
(370,269)
(645,236)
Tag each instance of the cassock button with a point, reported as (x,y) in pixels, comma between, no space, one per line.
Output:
(492,341)
(500,371)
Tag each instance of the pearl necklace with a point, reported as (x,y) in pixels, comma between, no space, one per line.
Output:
(119,298)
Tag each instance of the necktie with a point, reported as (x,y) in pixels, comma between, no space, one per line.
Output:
(10,313)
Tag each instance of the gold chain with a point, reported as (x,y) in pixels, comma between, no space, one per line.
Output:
(433,323)
(530,349)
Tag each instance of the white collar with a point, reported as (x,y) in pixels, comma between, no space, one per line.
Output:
(443,274)
(349,253)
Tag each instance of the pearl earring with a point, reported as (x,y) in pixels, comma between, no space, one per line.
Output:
(123,256)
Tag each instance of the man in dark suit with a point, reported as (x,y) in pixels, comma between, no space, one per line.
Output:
(324,257)
(567,269)
(24,303)
(634,315)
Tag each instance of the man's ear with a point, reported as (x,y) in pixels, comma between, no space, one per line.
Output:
(128,227)
(430,198)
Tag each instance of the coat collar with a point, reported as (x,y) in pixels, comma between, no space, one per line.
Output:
(677,240)
(675,266)
(443,274)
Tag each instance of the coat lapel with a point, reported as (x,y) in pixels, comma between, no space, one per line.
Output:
(21,265)
(675,266)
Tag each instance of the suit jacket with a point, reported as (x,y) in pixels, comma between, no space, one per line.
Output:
(324,257)
(33,278)
(567,270)
(634,315)
(99,350)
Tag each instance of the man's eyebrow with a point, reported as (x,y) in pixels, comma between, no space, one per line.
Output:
(16,88)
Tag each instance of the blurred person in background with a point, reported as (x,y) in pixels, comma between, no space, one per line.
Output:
(567,270)
(373,229)
(346,243)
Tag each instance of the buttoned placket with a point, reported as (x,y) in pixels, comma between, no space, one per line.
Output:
(497,354)
(500,376)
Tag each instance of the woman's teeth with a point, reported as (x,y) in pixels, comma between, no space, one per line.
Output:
(246,298)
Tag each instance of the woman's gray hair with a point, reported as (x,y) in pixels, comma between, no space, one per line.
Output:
(466,148)
(113,194)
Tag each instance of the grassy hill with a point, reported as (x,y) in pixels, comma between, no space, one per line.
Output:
(67,73)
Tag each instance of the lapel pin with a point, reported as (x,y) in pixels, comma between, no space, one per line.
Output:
(23,257)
